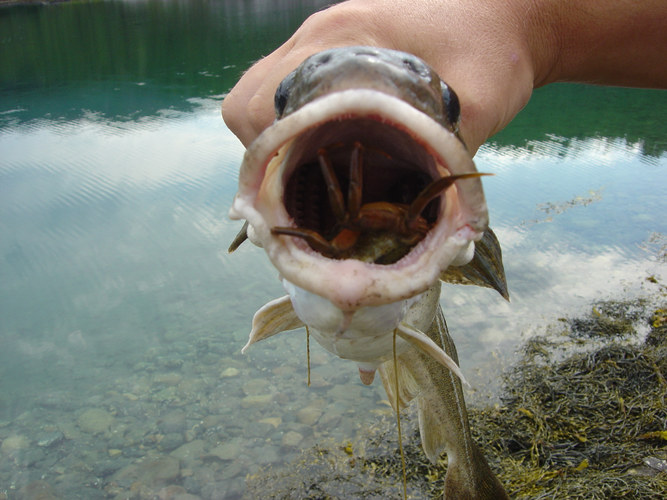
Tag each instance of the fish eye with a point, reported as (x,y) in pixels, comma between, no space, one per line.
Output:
(282,94)
(451,104)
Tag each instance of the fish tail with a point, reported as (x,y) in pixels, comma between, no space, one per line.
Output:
(443,418)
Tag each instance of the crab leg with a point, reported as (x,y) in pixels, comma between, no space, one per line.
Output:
(431,191)
(313,238)
(355,188)
(333,187)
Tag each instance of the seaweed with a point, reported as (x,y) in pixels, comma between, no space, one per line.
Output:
(590,424)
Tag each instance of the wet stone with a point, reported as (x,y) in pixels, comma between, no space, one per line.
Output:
(151,473)
(104,468)
(48,439)
(38,490)
(274,422)
(291,439)
(29,457)
(13,444)
(255,386)
(189,451)
(308,416)
(95,421)
(230,372)
(256,401)
(232,470)
(171,492)
(226,451)
(268,455)
(57,401)
(171,441)
(168,379)
(173,421)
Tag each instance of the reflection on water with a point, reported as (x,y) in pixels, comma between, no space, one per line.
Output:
(121,314)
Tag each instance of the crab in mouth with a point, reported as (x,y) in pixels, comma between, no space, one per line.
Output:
(346,196)
(370,224)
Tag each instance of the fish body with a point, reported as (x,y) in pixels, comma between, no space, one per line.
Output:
(363,195)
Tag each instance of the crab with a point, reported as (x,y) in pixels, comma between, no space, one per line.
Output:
(378,231)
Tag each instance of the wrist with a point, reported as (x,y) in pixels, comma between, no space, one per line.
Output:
(619,42)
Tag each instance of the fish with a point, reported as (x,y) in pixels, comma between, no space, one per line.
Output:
(364,197)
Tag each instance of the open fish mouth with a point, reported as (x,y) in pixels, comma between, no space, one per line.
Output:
(398,151)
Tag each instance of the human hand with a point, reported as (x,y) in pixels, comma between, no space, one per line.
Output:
(491,52)
(493,76)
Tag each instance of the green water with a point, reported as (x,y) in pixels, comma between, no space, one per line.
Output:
(117,294)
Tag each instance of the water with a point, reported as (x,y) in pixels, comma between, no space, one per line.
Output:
(117,295)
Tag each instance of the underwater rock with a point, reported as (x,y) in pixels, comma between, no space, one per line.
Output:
(151,473)
(95,421)
(38,490)
(13,444)
(256,401)
(171,441)
(223,452)
(308,415)
(255,386)
(169,379)
(292,439)
(48,439)
(173,421)
(230,372)
(272,421)
(189,451)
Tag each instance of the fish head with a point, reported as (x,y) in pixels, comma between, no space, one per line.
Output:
(406,120)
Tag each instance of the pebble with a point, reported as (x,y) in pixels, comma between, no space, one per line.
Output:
(151,473)
(230,372)
(48,439)
(256,400)
(168,379)
(273,421)
(171,441)
(15,443)
(291,439)
(255,386)
(189,451)
(308,415)
(38,490)
(226,451)
(95,421)
(173,421)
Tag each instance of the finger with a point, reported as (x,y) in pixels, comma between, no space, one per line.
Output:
(248,108)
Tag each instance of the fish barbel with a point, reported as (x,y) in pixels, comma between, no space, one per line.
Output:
(364,197)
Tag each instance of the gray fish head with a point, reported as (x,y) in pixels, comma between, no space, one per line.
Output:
(405,118)
(391,72)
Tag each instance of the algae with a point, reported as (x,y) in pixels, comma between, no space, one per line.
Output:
(574,422)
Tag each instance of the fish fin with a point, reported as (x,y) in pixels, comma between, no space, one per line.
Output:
(434,435)
(422,342)
(272,318)
(485,269)
(240,238)
(408,387)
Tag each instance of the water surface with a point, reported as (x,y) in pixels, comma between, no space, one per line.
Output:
(121,314)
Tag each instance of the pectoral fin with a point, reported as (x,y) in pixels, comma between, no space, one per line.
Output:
(274,317)
(485,269)
(430,348)
(407,385)
(240,238)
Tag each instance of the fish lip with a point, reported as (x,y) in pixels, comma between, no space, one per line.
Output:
(347,283)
